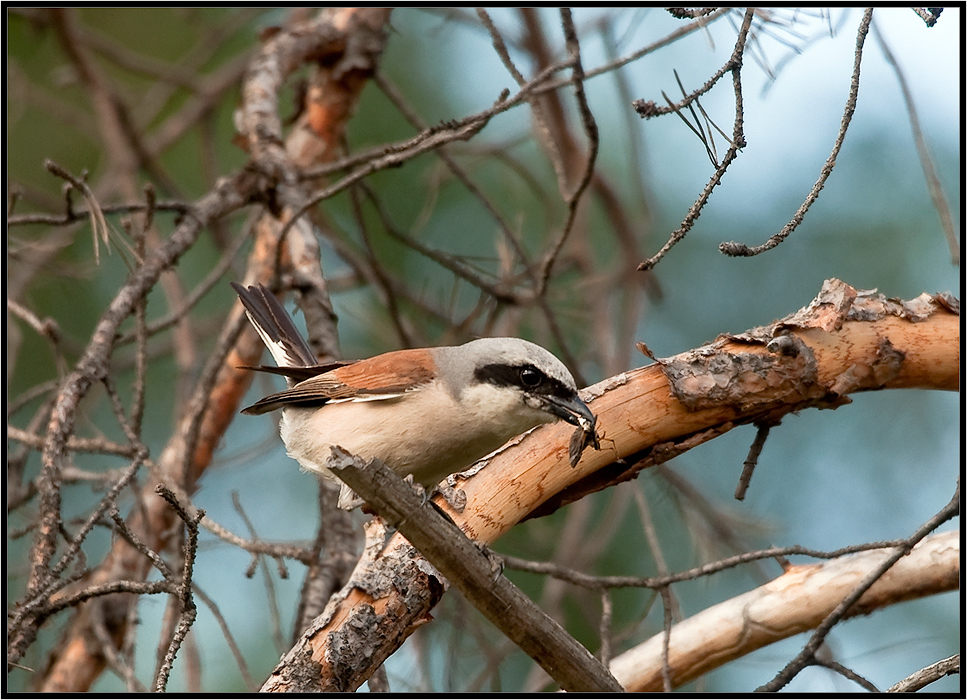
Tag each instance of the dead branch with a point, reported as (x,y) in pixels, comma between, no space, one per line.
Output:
(792,603)
(928,675)
(852,604)
(476,573)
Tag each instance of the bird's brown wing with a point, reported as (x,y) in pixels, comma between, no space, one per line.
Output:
(382,377)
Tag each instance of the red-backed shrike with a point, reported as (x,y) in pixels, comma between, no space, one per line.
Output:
(428,412)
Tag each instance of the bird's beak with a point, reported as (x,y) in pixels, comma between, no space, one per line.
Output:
(573,410)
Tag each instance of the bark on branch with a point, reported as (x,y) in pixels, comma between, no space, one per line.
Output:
(476,573)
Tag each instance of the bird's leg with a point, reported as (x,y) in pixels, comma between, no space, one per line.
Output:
(418,489)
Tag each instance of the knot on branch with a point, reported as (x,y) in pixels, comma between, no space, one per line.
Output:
(735,249)
(646,109)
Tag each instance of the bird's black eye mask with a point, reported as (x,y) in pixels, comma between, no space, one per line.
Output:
(525,377)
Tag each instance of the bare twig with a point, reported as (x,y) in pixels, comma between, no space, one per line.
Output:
(257,546)
(72,216)
(46,328)
(655,582)
(734,65)
(845,672)
(686,13)
(188,611)
(740,249)
(503,298)
(670,608)
(928,675)
(762,433)
(190,301)
(100,229)
(929,15)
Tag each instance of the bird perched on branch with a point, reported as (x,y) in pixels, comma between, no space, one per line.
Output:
(428,412)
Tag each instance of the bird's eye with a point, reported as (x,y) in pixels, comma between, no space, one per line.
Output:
(530,377)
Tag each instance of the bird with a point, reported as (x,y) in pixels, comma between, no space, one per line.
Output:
(426,412)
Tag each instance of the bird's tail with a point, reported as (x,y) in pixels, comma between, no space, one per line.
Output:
(278,332)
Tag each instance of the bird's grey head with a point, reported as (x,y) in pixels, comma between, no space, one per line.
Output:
(541,381)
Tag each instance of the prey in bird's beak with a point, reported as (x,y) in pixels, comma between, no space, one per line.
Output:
(576,412)
(572,409)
